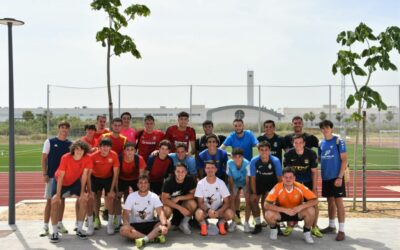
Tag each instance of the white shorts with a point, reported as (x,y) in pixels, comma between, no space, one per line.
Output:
(48,188)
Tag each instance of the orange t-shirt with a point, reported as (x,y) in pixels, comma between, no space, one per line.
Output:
(291,199)
(117,142)
(98,134)
(103,166)
(129,171)
(73,168)
(92,143)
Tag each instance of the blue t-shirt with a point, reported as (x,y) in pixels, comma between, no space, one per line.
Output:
(220,159)
(238,175)
(57,149)
(246,142)
(330,157)
(189,161)
(275,162)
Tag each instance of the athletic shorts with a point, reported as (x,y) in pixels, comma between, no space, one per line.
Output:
(330,190)
(286,217)
(124,185)
(263,189)
(68,191)
(237,189)
(156,187)
(99,183)
(48,189)
(144,227)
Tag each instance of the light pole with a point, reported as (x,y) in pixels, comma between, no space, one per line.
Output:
(11,175)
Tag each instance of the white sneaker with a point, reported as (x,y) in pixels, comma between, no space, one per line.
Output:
(184,227)
(232,227)
(273,235)
(246,227)
(110,228)
(308,238)
(90,230)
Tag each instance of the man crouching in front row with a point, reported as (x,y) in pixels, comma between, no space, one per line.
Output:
(138,216)
(290,194)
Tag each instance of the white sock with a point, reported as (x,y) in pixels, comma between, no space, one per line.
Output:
(341,226)
(46,226)
(186,219)
(110,219)
(146,239)
(59,223)
(90,221)
(80,225)
(332,223)
(55,229)
(258,220)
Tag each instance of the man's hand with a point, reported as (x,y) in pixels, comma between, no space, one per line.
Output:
(184,211)
(46,178)
(111,194)
(290,212)
(176,199)
(163,229)
(338,182)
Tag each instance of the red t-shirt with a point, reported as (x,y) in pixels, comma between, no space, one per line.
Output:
(128,170)
(98,134)
(174,135)
(130,134)
(103,166)
(147,143)
(73,168)
(117,142)
(158,168)
(92,143)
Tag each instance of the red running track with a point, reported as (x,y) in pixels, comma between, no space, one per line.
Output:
(30,186)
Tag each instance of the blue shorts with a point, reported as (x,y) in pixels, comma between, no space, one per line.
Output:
(68,191)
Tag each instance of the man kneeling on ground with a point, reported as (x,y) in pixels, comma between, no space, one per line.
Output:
(138,216)
(290,194)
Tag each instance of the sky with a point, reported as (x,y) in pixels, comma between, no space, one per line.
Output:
(190,42)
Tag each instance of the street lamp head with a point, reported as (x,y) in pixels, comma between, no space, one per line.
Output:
(12,21)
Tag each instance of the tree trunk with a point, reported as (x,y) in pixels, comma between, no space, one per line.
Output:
(110,103)
(364,162)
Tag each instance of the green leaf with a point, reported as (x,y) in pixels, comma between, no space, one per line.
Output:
(334,69)
(359,71)
(350,101)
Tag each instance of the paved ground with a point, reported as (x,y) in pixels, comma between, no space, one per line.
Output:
(361,234)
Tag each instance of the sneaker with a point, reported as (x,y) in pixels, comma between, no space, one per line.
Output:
(80,235)
(257,229)
(160,239)
(246,227)
(237,220)
(340,236)
(90,230)
(273,235)
(308,238)
(232,227)
(288,231)
(45,232)
(203,230)
(184,227)
(221,227)
(328,230)
(117,228)
(97,224)
(62,229)
(140,243)
(116,222)
(316,232)
(54,238)
(110,229)
(264,224)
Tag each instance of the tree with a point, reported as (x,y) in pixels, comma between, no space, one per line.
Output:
(27,115)
(389,116)
(362,64)
(111,36)
(311,117)
(306,117)
(339,116)
(322,115)
(372,118)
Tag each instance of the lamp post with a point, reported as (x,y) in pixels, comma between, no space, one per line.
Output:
(11,176)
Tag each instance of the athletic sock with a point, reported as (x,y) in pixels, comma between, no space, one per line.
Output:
(119,219)
(59,223)
(46,226)
(332,223)
(341,226)
(55,229)
(258,220)
(80,225)
(272,226)
(90,220)
(186,219)
(238,213)
(110,219)
(146,239)
(305,230)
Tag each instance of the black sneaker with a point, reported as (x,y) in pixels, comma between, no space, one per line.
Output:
(328,230)
(257,229)
(81,235)
(54,238)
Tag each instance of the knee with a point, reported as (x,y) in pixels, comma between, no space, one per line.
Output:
(167,211)
(199,214)
(271,216)
(191,205)
(229,214)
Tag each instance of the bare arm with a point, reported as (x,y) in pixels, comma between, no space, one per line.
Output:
(343,166)
(314,176)
(166,200)
(44,167)
(125,217)
(192,147)
(84,181)
(224,206)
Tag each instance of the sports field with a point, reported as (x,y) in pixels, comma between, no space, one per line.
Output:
(28,156)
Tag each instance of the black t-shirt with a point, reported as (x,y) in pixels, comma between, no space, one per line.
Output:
(175,189)
(201,143)
(277,144)
(266,177)
(302,164)
(311,141)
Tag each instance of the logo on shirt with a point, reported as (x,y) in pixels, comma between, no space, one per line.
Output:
(154,137)
(176,193)
(210,199)
(275,144)
(142,214)
(306,161)
(269,166)
(109,160)
(56,145)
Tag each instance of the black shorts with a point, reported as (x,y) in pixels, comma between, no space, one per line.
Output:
(263,189)
(156,187)
(68,191)
(99,183)
(124,185)
(330,190)
(285,217)
(144,227)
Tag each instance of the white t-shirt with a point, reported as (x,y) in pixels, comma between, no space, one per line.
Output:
(142,208)
(212,194)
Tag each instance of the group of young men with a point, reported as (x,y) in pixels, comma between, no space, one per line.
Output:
(184,180)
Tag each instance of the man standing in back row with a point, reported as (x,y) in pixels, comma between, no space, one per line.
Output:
(276,141)
(181,133)
(297,123)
